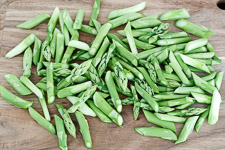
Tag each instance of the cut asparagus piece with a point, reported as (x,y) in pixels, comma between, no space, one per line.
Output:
(36,50)
(201,98)
(197,30)
(79,19)
(201,119)
(17,85)
(215,107)
(156,132)
(59,48)
(44,107)
(188,90)
(41,120)
(13,99)
(130,38)
(171,118)
(95,12)
(174,14)
(88,29)
(165,42)
(120,12)
(21,47)
(84,129)
(195,44)
(31,86)
(188,112)
(219,79)
(154,120)
(61,133)
(50,85)
(101,103)
(79,45)
(187,129)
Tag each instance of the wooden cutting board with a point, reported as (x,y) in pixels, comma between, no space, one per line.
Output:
(19,131)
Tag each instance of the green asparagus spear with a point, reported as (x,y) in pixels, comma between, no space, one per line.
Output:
(176,102)
(17,85)
(171,118)
(188,112)
(154,120)
(201,119)
(171,35)
(112,91)
(50,85)
(187,129)
(99,38)
(151,101)
(95,12)
(98,112)
(13,99)
(79,45)
(34,21)
(120,12)
(174,14)
(71,90)
(70,127)
(44,107)
(97,24)
(105,59)
(63,28)
(188,90)
(88,29)
(195,44)
(197,30)
(202,98)
(130,38)
(84,129)
(124,19)
(219,79)
(116,38)
(68,22)
(107,109)
(79,19)
(147,23)
(140,44)
(215,107)
(28,41)
(85,109)
(136,32)
(36,50)
(59,48)
(163,42)
(156,132)
(135,100)
(31,86)
(61,133)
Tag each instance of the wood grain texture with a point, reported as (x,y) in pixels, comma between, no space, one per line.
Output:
(18,130)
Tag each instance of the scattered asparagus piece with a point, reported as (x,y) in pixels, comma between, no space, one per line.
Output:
(174,14)
(130,38)
(50,84)
(170,118)
(36,50)
(95,12)
(79,19)
(201,119)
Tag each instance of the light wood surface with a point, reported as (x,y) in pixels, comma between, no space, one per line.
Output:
(18,130)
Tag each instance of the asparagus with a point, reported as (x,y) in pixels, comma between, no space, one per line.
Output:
(69,50)
(151,101)
(187,129)
(61,133)
(71,90)
(13,99)
(188,90)
(79,19)
(34,21)
(136,32)
(44,107)
(70,127)
(59,48)
(174,14)
(125,53)
(120,12)
(31,86)
(172,41)
(88,29)
(84,109)
(98,112)
(105,59)
(96,79)
(201,119)
(84,129)
(68,22)
(150,68)
(100,102)
(156,132)
(183,106)
(154,120)
(144,85)
(215,107)
(202,98)
(95,11)
(124,19)
(171,35)
(197,30)
(146,23)
(63,29)
(130,38)
(219,79)
(99,38)
(75,56)
(84,97)
(36,50)
(175,102)
(203,84)
(41,120)
(195,44)
(17,85)
(21,47)
(171,118)
(79,45)
(135,99)
(188,112)
(105,44)
(140,44)
(97,24)
(50,85)
(116,38)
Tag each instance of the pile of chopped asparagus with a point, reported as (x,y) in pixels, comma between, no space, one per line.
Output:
(153,67)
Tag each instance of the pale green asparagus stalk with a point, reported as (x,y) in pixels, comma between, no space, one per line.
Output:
(36,50)
(79,19)
(50,85)
(59,48)
(174,14)
(188,112)
(135,101)
(95,11)
(130,38)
